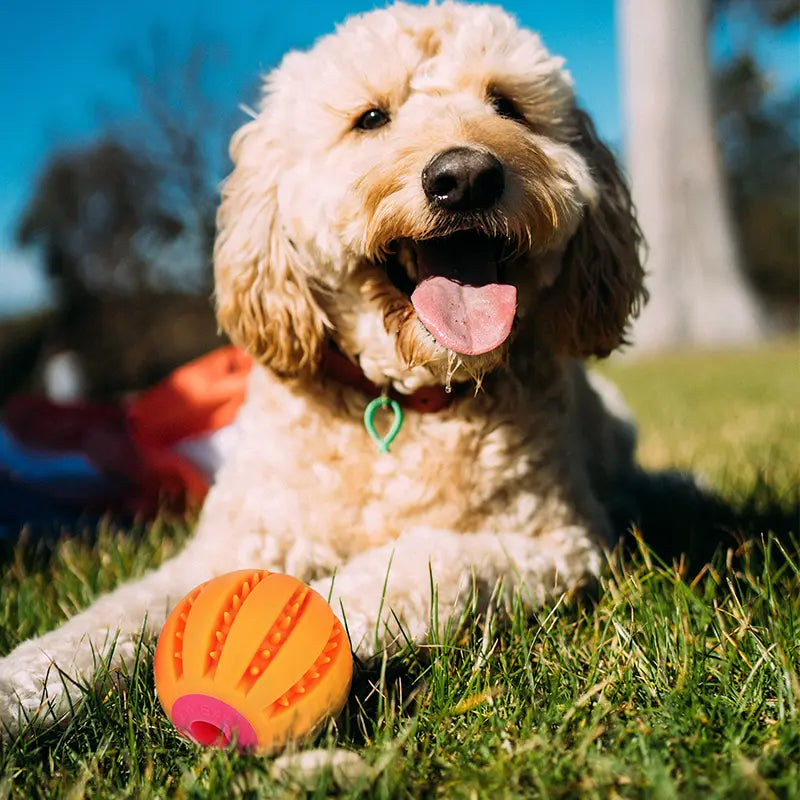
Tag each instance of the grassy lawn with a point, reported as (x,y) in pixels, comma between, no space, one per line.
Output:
(680,680)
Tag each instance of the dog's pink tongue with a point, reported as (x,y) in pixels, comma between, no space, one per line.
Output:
(458,298)
(466,319)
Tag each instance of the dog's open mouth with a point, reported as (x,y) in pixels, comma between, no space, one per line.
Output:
(459,295)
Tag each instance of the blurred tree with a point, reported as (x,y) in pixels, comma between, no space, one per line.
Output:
(126,228)
(698,294)
(184,129)
(97,215)
(113,252)
(759,131)
(774,12)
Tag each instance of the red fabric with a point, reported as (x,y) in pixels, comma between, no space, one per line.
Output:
(196,399)
(200,397)
(97,430)
(134,440)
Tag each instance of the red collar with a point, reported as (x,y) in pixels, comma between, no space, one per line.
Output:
(426,400)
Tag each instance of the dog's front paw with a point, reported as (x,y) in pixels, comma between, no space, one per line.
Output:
(40,685)
(31,688)
(379,617)
(360,626)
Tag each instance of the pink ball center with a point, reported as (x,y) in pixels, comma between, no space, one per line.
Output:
(210,722)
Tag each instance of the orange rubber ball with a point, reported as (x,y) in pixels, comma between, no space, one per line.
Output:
(252,658)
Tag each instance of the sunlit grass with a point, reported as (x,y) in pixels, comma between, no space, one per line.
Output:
(733,417)
(673,682)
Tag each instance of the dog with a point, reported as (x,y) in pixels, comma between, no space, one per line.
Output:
(421,215)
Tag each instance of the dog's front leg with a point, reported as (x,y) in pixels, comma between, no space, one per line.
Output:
(381,590)
(41,678)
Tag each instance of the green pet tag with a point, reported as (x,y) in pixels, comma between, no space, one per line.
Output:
(369,421)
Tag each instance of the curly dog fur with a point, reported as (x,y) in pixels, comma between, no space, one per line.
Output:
(325,239)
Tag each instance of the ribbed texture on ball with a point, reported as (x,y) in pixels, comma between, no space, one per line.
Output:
(261,643)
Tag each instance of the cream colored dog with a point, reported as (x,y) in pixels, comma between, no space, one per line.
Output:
(419,206)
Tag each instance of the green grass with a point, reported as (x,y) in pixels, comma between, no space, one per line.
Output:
(676,681)
(732,417)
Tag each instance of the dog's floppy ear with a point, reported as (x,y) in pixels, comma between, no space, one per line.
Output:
(263,298)
(600,286)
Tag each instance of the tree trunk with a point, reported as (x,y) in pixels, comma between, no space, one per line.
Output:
(698,295)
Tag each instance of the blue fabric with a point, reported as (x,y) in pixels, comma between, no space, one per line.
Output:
(24,507)
(42,467)
(46,492)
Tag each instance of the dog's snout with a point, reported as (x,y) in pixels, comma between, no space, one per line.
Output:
(463,179)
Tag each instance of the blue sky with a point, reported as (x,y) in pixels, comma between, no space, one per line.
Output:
(60,64)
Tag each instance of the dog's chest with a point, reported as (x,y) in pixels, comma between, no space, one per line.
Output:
(320,471)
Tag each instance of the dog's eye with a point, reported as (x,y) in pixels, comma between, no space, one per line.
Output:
(372,119)
(505,108)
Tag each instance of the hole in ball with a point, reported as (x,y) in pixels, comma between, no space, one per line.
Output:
(208,734)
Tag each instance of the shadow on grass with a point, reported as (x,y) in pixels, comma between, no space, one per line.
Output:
(679,518)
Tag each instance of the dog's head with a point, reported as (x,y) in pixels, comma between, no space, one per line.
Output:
(421,188)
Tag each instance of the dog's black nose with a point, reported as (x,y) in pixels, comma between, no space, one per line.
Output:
(463,179)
